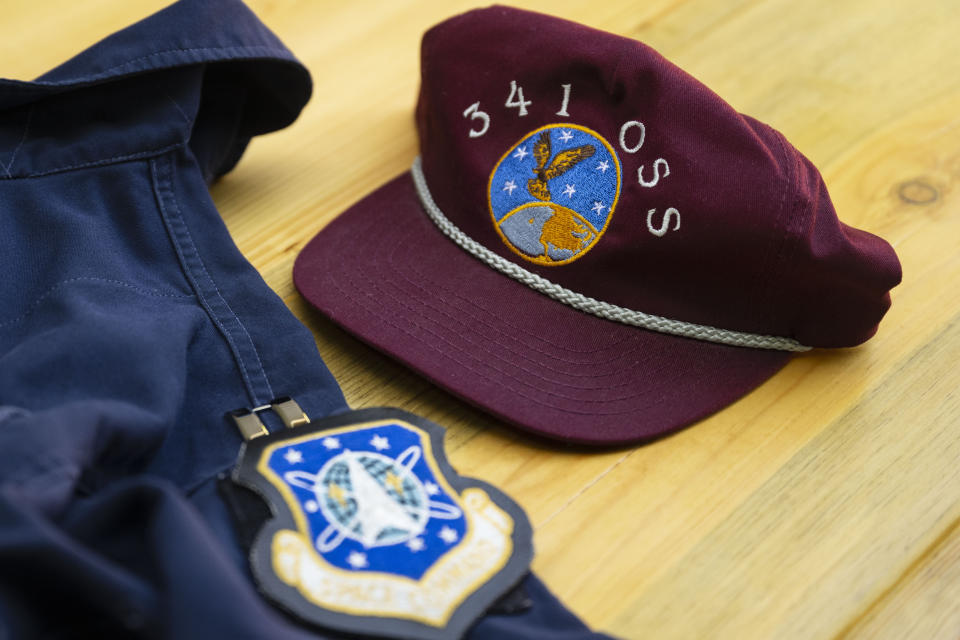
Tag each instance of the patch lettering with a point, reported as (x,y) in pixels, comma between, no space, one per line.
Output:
(568,227)
(375,533)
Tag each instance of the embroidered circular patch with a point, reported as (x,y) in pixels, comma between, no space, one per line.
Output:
(552,194)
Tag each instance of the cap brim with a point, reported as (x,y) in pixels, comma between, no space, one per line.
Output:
(385,272)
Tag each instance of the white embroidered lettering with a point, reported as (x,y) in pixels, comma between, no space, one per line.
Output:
(566,100)
(664,224)
(656,173)
(623,135)
(515,99)
(474,113)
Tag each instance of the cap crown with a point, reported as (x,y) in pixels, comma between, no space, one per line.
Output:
(592,161)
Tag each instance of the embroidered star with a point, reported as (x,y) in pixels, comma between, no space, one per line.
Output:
(448,535)
(331,443)
(293,456)
(521,153)
(598,207)
(357,560)
(509,185)
(416,544)
(569,191)
(602,166)
(431,488)
(311,506)
(566,135)
(379,443)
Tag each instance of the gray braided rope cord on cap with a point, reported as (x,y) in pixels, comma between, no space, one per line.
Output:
(587,304)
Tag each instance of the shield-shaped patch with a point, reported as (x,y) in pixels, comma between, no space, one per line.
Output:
(373,531)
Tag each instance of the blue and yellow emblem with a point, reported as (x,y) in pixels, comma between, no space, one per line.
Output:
(553,193)
(375,533)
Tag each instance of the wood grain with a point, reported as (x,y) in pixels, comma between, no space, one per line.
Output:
(923,602)
(826,503)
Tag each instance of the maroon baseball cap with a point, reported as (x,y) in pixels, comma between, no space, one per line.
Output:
(593,246)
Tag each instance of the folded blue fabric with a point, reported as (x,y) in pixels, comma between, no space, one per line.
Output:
(130,325)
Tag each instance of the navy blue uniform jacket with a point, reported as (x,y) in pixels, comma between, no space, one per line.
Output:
(130,323)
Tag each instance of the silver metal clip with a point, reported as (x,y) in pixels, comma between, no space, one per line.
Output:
(251,426)
(290,412)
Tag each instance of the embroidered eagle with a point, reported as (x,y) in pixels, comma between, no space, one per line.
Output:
(561,163)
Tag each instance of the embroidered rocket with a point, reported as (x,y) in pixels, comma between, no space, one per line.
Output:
(568,201)
(367,500)
(375,533)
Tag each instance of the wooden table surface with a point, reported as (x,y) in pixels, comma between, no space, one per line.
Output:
(826,503)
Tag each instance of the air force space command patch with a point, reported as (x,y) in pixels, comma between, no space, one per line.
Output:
(373,532)
(552,194)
